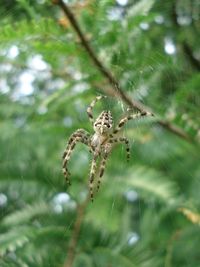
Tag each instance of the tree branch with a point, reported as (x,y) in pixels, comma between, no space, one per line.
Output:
(111,79)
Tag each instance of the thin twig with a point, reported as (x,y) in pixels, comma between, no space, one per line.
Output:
(71,252)
(111,79)
(168,258)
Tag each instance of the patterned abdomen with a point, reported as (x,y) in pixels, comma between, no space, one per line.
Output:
(103,123)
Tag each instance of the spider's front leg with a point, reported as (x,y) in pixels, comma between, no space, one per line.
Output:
(91,106)
(129,117)
(122,140)
(79,136)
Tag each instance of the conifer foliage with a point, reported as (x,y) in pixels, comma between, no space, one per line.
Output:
(55,58)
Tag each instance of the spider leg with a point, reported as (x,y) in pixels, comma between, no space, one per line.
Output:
(79,136)
(122,140)
(68,155)
(127,118)
(92,175)
(106,154)
(91,106)
(77,133)
(101,169)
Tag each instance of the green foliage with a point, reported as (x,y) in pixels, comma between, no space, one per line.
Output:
(146,213)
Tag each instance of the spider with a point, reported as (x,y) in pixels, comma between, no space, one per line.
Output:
(100,143)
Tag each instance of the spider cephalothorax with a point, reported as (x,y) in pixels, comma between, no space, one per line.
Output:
(100,143)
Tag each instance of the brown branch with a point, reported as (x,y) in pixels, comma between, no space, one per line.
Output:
(111,79)
(168,258)
(71,252)
(175,129)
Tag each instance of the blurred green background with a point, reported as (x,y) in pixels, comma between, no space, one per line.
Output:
(147,213)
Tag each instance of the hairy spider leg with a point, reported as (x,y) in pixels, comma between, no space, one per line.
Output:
(102,166)
(68,155)
(76,137)
(80,133)
(92,175)
(91,106)
(67,158)
(127,118)
(125,141)
(105,156)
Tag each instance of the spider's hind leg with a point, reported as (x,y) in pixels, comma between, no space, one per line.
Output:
(101,169)
(67,175)
(107,152)
(92,175)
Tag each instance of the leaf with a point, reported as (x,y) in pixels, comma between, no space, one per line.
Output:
(29,31)
(190,215)
(106,257)
(14,239)
(150,183)
(83,260)
(141,8)
(26,214)
(153,182)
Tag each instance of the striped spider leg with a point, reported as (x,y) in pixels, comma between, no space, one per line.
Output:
(108,147)
(105,153)
(91,106)
(92,174)
(129,117)
(79,135)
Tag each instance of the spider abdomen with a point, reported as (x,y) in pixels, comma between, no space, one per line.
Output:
(103,123)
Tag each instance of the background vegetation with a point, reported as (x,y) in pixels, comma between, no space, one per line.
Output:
(147,211)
